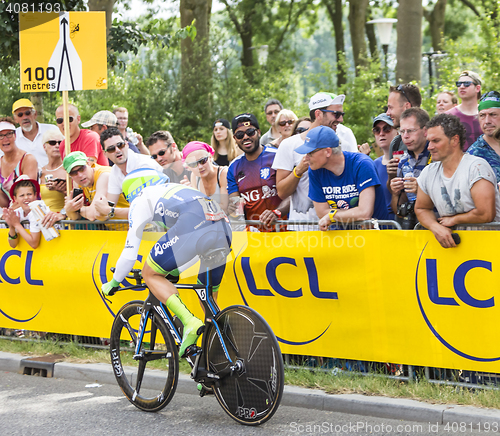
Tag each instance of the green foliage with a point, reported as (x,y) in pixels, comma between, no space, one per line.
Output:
(9,89)
(480,54)
(129,37)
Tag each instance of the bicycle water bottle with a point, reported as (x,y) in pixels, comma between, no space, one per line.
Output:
(408,172)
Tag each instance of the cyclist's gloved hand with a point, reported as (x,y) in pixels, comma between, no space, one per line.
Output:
(110,287)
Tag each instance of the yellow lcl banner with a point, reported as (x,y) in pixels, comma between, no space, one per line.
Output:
(62,52)
(388,296)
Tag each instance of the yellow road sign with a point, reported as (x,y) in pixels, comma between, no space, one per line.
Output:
(63,52)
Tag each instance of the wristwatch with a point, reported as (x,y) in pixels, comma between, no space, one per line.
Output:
(111,213)
(277,213)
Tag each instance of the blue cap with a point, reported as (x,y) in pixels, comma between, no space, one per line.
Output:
(319,137)
(383,117)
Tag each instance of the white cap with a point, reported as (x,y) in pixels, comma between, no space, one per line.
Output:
(324,99)
(5,125)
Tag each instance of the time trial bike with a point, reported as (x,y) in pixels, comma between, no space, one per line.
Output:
(239,359)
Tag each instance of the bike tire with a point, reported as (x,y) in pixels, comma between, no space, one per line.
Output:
(252,396)
(154,389)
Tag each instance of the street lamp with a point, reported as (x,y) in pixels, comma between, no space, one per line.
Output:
(384,30)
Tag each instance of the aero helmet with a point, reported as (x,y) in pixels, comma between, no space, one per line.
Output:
(137,180)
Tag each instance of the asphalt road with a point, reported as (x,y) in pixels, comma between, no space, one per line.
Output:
(47,406)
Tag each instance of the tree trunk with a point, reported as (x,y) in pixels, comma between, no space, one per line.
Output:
(370,34)
(357,20)
(436,24)
(106,6)
(196,77)
(334,8)
(246,9)
(409,50)
(37,100)
(193,52)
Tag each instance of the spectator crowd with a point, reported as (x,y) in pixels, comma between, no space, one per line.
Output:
(308,170)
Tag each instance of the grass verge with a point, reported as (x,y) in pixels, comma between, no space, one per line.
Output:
(341,383)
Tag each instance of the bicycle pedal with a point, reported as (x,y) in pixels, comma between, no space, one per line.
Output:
(204,390)
(192,351)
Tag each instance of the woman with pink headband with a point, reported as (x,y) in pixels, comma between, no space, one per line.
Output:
(14,161)
(206,176)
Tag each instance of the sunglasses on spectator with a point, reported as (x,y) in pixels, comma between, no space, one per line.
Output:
(402,91)
(112,148)
(77,170)
(386,129)
(53,142)
(337,114)
(7,135)
(61,120)
(284,123)
(466,84)
(249,132)
(21,114)
(201,161)
(160,153)
(302,129)
(275,112)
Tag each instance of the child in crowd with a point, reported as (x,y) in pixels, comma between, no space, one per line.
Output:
(23,192)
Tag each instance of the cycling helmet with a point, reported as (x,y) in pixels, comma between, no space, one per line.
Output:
(137,180)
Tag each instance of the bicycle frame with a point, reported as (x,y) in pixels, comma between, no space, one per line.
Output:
(205,294)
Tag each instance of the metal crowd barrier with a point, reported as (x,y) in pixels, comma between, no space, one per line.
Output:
(316,363)
(371,224)
(471,226)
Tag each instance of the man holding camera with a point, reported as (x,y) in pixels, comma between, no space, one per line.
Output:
(404,185)
(92,183)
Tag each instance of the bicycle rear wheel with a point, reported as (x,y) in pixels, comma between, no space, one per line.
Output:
(148,382)
(252,395)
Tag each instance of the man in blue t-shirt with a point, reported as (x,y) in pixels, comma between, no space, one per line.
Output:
(343,186)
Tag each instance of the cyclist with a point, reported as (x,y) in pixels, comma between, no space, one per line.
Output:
(195,225)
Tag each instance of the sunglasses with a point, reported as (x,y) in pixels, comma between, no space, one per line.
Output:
(466,84)
(249,132)
(276,112)
(284,123)
(386,129)
(53,142)
(337,114)
(21,114)
(7,135)
(402,91)
(160,153)
(302,129)
(77,170)
(61,120)
(112,148)
(201,161)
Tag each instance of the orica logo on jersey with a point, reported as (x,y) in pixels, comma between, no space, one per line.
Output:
(160,210)
(453,287)
(160,247)
(265,173)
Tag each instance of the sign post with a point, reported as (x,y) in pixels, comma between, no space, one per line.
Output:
(63,52)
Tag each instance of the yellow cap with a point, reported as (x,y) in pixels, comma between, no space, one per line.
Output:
(23,102)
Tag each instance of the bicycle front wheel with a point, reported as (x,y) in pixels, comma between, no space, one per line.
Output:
(148,379)
(252,394)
